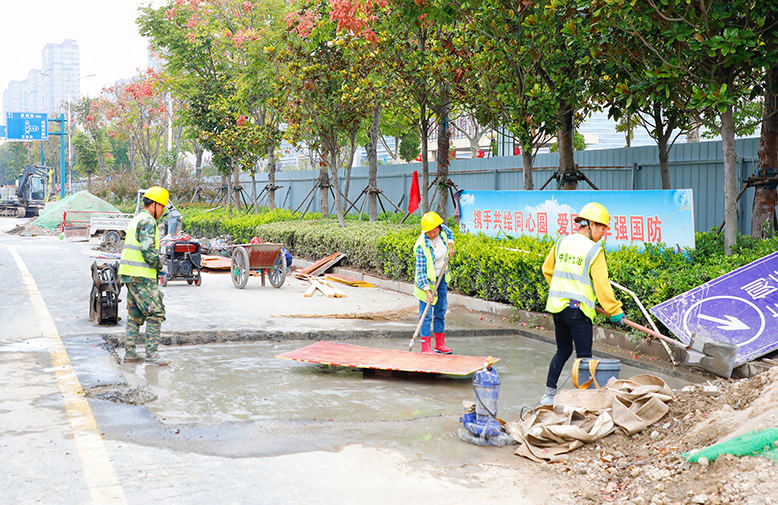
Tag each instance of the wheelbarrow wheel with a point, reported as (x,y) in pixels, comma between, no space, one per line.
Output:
(163,280)
(240,267)
(198,280)
(277,274)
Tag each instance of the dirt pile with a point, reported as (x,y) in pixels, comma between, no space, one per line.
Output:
(649,469)
(29,229)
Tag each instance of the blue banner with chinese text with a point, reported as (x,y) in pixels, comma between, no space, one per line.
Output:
(637,217)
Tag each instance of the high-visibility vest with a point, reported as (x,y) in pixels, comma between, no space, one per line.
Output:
(572,280)
(432,277)
(132,263)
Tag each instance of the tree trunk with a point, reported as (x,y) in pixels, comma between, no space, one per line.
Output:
(229,196)
(763,219)
(349,166)
(565,145)
(333,162)
(526,166)
(271,178)
(444,148)
(324,184)
(198,149)
(425,164)
(236,188)
(730,181)
(372,162)
(254,193)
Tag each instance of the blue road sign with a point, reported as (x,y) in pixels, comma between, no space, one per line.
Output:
(740,307)
(26,126)
(2,131)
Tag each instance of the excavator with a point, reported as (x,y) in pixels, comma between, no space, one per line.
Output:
(28,198)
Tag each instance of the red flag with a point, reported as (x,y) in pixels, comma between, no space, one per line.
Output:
(415,196)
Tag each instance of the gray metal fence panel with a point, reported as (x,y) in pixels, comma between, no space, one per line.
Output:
(698,166)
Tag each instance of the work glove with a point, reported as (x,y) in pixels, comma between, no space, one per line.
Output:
(618,319)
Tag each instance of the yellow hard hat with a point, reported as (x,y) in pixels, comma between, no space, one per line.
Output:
(157,194)
(429,221)
(594,212)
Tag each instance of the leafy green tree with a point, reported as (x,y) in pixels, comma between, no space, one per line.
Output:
(14,157)
(87,161)
(329,97)
(714,47)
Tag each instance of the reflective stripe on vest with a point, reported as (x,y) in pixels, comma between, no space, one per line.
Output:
(572,280)
(132,263)
(432,277)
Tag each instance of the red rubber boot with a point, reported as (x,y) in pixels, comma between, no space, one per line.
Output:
(426,345)
(440,344)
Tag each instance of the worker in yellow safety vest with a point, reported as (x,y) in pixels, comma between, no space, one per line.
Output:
(435,242)
(578,274)
(138,269)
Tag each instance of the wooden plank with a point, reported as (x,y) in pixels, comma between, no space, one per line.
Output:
(325,266)
(324,289)
(315,266)
(310,291)
(338,292)
(216,262)
(351,281)
(355,356)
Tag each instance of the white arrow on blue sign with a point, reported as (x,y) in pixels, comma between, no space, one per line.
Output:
(740,307)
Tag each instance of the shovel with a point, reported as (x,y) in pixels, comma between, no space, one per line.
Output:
(708,354)
(427,308)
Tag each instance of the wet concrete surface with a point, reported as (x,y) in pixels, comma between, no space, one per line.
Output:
(216,383)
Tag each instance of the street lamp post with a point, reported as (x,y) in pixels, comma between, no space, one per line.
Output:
(69,81)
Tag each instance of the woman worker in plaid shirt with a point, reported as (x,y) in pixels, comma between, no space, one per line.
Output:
(434,243)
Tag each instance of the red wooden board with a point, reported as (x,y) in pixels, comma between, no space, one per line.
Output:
(332,353)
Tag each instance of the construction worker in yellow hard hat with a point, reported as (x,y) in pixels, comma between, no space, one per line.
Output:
(578,274)
(138,269)
(434,244)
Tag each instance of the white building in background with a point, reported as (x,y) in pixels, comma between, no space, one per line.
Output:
(599,132)
(41,93)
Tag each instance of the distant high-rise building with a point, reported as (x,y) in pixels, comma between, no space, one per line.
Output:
(62,61)
(13,97)
(47,93)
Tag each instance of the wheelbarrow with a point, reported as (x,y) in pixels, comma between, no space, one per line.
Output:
(265,258)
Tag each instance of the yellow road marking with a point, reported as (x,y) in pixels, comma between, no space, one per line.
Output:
(100,476)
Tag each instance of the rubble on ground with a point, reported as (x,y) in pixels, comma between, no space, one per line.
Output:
(30,229)
(649,469)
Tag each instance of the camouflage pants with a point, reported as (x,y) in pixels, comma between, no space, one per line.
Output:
(144,301)
(144,304)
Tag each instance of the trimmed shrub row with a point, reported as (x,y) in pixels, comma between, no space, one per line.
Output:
(503,270)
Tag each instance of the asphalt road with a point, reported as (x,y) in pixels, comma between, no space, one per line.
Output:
(60,446)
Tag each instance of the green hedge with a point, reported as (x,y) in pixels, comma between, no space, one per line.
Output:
(504,270)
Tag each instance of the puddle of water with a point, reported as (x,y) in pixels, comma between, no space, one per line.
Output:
(239,382)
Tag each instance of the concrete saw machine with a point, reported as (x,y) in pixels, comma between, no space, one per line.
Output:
(104,299)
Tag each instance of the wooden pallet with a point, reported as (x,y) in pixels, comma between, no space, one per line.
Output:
(355,356)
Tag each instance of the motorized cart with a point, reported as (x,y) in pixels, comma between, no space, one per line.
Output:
(182,260)
(263,258)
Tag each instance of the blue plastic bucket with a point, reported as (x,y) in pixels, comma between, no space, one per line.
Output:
(606,370)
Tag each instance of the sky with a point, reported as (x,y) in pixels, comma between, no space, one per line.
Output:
(105,31)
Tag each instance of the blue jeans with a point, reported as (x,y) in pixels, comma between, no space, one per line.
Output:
(572,327)
(437,313)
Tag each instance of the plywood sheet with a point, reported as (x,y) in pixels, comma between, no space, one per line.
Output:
(337,354)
